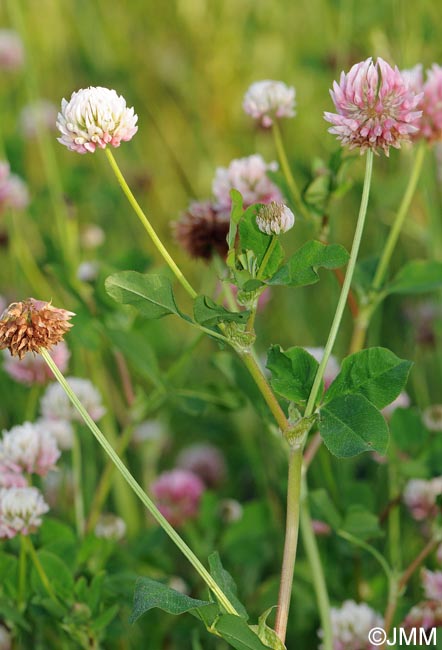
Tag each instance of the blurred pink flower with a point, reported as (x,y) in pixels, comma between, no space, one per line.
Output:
(61,430)
(29,447)
(351,624)
(13,191)
(331,369)
(33,369)
(432,584)
(11,475)
(425,615)
(20,511)
(95,117)
(248,176)
(402,401)
(420,497)
(42,114)
(268,100)
(320,528)
(376,107)
(431,124)
(12,54)
(177,494)
(204,460)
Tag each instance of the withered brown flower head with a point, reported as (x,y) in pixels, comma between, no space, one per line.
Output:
(33,324)
(202,230)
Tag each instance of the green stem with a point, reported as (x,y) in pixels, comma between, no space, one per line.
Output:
(267,256)
(290,543)
(41,572)
(345,286)
(370,549)
(267,393)
(147,225)
(294,190)
(22,574)
(394,519)
(136,487)
(312,552)
(393,236)
(78,483)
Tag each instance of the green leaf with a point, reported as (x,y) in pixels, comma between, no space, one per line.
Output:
(226,583)
(361,523)
(208,313)
(376,373)
(253,239)
(58,574)
(419,276)
(301,268)
(266,634)
(238,634)
(350,424)
(102,620)
(408,432)
(324,509)
(151,294)
(293,372)
(150,593)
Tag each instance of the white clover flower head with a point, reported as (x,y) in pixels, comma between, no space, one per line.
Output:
(268,100)
(95,117)
(275,218)
(432,417)
(55,404)
(351,624)
(110,526)
(420,497)
(248,176)
(92,236)
(61,430)
(29,447)
(5,638)
(13,190)
(42,114)
(20,511)
(11,475)
(12,54)
(88,271)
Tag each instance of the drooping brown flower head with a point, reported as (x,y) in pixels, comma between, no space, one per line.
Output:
(202,230)
(33,324)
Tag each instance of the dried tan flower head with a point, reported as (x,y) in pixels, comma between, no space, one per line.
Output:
(33,324)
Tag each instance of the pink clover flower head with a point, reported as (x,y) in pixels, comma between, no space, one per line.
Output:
(13,190)
(351,624)
(249,177)
(42,114)
(177,494)
(204,460)
(402,401)
(420,497)
(33,369)
(110,526)
(426,615)
(321,528)
(432,584)
(11,475)
(268,100)
(376,107)
(95,117)
(12,54)
(20,511)
(431,127)
(55,404)
(29,447)
(275,218)
(331,369)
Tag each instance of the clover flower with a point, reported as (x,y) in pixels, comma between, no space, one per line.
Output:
(95,117)
(432,417)
(432,584)
(420,497)
(331,369)
(425,615)
(431,127)
(29,447)
(249,177)
(110,526)
(13,191)
(33,324)
(55,404)
(202,230)
(275,218)
(42,114)
(204,460)
(177,495)
(268,100)
(20,511)
(12,54)
(351,624)
(11,475)
(33,369)
(61,430)
(376,107)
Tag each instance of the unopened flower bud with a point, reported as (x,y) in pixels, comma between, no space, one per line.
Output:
(275,218)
